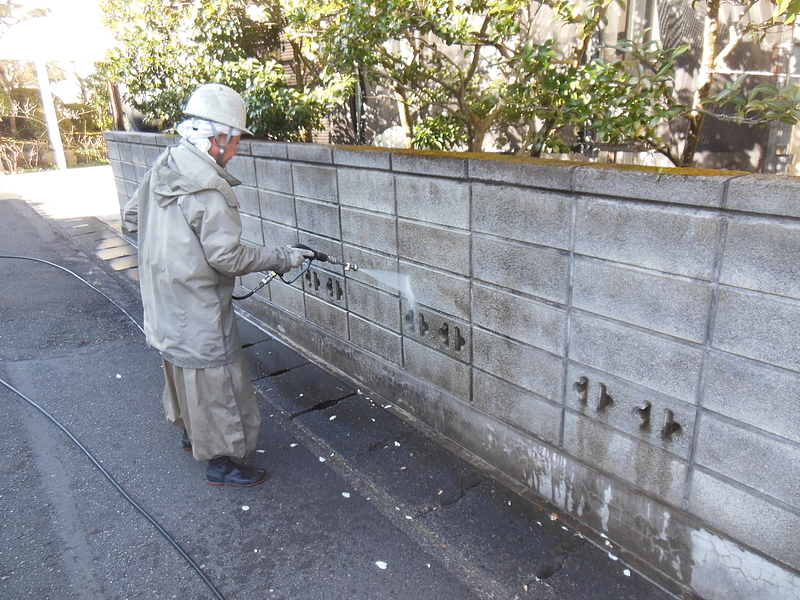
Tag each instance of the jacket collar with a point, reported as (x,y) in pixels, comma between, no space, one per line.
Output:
(230,179)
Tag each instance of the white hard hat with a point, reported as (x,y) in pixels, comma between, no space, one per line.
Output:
(218,103)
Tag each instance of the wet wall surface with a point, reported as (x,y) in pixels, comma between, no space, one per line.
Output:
(359,502)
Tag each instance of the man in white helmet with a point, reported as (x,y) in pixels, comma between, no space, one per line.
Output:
(190,251)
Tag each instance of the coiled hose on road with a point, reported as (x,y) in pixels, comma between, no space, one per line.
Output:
(83,449)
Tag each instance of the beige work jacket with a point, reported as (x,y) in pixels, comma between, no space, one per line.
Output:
(190,250)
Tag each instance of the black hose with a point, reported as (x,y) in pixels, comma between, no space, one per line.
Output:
(79,278)
(107,475)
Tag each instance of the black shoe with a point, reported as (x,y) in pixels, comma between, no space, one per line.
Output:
(223,471)
(186,443)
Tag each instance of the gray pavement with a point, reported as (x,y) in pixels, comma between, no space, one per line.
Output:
(360,503)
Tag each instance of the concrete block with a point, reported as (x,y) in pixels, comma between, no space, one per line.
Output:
(433,200)
(437,368)
(368,260)
(268,149)
(531,270)
(752,520)
(749,456)
(721,569)
(678,241)
(325,245)
(438,331)
(370,190)
(767,194)
(138,137)
(289,297)
(652,361)
(364,158)
(278,235)
(151,154)
(326,315)
(125,151)
(278,208)
(112,147)
(248,200)
(274,175)
(661,185)
(312,181)
(439,247)
(526,367)
(243,149)
(374,305)
(517,407)
(164,140)
(116,169)
(527,172)
(131,187)
(249,282)
(635,411)
(755,256)
(676,306)
(528,321)
(129,171)
(436,165)
(445,293)
(244,169)
(309,153)
(251,229)
(326,286)
(318,217)
(369,230)
(140,171)
(758,326)
(373,338)
(737,388)
(543,218)
(660,474)
(121,186)
(138,155)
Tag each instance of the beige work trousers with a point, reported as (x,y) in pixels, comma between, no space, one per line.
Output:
(217,406)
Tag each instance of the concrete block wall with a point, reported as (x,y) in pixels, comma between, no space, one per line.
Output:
(621,342)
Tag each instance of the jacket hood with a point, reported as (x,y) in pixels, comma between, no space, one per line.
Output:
(184,170)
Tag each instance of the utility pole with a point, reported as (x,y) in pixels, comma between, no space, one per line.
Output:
(50,113)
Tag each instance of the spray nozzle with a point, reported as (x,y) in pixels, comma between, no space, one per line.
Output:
(322,257)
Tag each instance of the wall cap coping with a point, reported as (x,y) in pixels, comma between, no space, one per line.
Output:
(322,152)
(718,188)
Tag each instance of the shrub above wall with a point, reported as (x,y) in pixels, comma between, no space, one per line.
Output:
(619,341)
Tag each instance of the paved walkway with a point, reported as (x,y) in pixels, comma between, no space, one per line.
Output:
(360,504)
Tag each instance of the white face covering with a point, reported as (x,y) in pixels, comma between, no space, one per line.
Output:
(196,131)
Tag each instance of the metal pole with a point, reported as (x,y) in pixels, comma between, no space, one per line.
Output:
(50,113)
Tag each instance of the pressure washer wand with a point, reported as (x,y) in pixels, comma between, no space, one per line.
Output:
(322,257)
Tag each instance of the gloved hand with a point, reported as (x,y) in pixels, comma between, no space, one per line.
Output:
(298,255)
